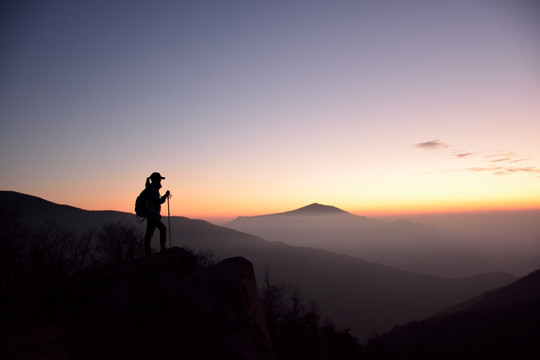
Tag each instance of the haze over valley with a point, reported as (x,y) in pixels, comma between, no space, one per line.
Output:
(451,248)
(356,292)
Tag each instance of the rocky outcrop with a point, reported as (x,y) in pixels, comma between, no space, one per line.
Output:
(164,307)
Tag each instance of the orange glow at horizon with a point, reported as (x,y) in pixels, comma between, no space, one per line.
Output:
(369,194)
(206,209)
(295,105)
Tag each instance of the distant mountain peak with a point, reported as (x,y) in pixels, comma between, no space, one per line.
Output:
(317,209)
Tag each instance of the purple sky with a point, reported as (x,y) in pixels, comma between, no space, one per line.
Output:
(253,106)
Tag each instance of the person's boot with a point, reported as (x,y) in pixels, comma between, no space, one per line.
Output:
(162,242)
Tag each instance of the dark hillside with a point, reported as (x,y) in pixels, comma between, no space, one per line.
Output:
(163,307)
(363,296)
(500,324)
(38,212)
(523,291)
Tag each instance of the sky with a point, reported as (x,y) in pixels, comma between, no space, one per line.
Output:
(256,107)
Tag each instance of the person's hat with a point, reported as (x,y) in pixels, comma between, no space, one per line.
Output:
(156,175)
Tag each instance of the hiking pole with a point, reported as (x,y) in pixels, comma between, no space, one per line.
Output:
(169,216)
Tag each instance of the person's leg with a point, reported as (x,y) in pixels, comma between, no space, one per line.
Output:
(150,226)
(162,235)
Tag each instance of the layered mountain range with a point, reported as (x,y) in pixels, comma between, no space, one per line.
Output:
(403,244)
(364,296)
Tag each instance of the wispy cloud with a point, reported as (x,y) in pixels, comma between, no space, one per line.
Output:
(509,160)
(502,170)
(499,154)
(527,169)
(495,162)
(509,157)
(431,145)
(462,155)
(480,169)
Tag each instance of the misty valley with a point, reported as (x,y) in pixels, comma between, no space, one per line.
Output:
(442,250)
(460,286)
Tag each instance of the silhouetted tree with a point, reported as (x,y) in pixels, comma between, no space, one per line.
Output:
(295,327)
(81,254)
(13,241)
(50,248)
(273,298)
(118,242)
(36,265)
(49,267)
(204,258)
(296,304)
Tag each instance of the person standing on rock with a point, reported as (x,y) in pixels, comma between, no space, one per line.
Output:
(154,213)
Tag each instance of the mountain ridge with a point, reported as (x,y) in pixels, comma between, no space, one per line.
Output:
(499,324)
(402,244)
(371,288)
(313,209)
(523,290)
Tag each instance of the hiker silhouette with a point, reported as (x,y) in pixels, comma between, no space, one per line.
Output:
(153,218)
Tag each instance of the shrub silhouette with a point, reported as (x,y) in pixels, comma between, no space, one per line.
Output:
(13,241)
(295,326)
(36,265)
(204,258)
(118,242)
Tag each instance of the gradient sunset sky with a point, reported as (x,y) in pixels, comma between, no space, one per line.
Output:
(254,107)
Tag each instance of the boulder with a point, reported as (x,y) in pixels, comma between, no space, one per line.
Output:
(166,307)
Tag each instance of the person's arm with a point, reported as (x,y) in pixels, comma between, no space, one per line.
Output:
(164,197)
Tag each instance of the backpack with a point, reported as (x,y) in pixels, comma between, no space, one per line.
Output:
(141,205)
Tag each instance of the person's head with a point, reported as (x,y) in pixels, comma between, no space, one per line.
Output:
(156,178)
